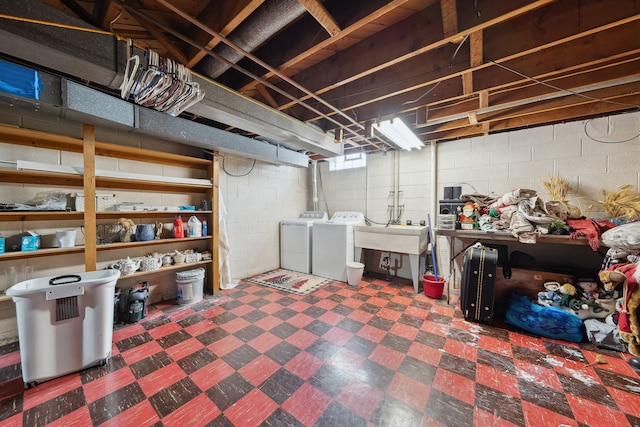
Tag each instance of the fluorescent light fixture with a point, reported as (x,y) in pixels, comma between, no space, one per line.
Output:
(399,134)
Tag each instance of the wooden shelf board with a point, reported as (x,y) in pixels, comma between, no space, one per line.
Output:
(40,215)
(122,245)
(145,214)
(34,138)
(508,237)
(181,266)
(41,252)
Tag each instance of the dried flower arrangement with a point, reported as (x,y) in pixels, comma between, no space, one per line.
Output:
(624,202)
(556,188)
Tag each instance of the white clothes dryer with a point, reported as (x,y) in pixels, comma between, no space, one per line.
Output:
(295,241)
(333,245)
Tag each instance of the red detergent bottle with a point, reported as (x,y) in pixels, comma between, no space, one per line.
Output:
(178,227)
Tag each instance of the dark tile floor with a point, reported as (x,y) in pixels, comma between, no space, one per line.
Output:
(374,355)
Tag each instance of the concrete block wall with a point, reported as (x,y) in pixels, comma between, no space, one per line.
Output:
(257,197)
(393,186)
(594,156)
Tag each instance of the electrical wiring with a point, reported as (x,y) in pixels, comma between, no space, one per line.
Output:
(237,175)
(561,89)
(586,132)
(224,169)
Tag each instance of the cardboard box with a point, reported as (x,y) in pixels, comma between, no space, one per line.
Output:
(30,241)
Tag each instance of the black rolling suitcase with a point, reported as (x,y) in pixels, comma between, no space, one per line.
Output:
(478,283)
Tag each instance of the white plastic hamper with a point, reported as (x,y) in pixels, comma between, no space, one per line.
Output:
(65,323)
(190,285)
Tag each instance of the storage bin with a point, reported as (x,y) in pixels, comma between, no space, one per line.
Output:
(190,285)
(104,202)
(65,323)
(446,222)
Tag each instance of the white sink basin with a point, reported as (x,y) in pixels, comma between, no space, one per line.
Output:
(409,239)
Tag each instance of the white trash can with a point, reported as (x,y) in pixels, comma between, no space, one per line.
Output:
(354,273)
(65,323)
(190,286)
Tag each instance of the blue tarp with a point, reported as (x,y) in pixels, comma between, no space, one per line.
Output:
(20,81)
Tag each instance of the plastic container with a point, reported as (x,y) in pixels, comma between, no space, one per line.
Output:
(195,227)
(354,273)
(66,238)
(65,323)
(178,228)
(190,286)
(433,288)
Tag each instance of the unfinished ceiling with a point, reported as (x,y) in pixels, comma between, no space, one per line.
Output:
(451,68)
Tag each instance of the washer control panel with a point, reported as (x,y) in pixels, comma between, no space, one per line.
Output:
(314,215)
(347,217)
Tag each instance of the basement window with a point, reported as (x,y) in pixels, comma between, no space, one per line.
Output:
(349,161)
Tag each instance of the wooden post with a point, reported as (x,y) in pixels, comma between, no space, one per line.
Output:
(89,188)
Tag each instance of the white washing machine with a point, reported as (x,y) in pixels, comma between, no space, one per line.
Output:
(333,245)
(295,241)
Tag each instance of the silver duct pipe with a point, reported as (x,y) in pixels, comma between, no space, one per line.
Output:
(258,27)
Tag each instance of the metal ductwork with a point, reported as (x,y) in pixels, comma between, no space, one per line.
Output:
(99,58)
(260,26)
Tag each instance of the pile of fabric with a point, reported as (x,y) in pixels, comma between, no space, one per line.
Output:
(526,216)
(620,271)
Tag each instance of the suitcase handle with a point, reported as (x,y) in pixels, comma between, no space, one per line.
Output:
(70,278)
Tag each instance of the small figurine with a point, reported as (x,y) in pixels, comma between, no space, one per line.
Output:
(589,292)
(469,216)
(551,295)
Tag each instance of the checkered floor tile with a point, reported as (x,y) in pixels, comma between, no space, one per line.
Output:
(376,354)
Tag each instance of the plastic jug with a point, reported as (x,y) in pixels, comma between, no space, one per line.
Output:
(195,227)
(178,229)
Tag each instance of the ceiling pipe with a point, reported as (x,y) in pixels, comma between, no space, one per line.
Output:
(266,21)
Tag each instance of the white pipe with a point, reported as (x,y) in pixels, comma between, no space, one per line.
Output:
(314,171)
(396,188)
(434,180)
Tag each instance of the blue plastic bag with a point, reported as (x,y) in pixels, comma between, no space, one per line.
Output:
(550,322)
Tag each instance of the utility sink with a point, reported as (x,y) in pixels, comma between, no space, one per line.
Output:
(403,239)
(407,239)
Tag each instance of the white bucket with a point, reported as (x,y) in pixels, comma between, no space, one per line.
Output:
(190,286)
(66,238)
(354,273)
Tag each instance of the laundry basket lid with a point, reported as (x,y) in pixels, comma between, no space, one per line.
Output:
(63,283)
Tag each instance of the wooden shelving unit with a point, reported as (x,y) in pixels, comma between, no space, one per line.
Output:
(88,182)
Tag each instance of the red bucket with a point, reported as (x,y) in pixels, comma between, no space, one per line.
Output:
(433,288)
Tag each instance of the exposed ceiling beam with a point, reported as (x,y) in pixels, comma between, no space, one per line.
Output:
(224,18)
(605,36)
(449,19)
(81,12)
(406,40)
(345,34)
(324,18)
(162,39)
